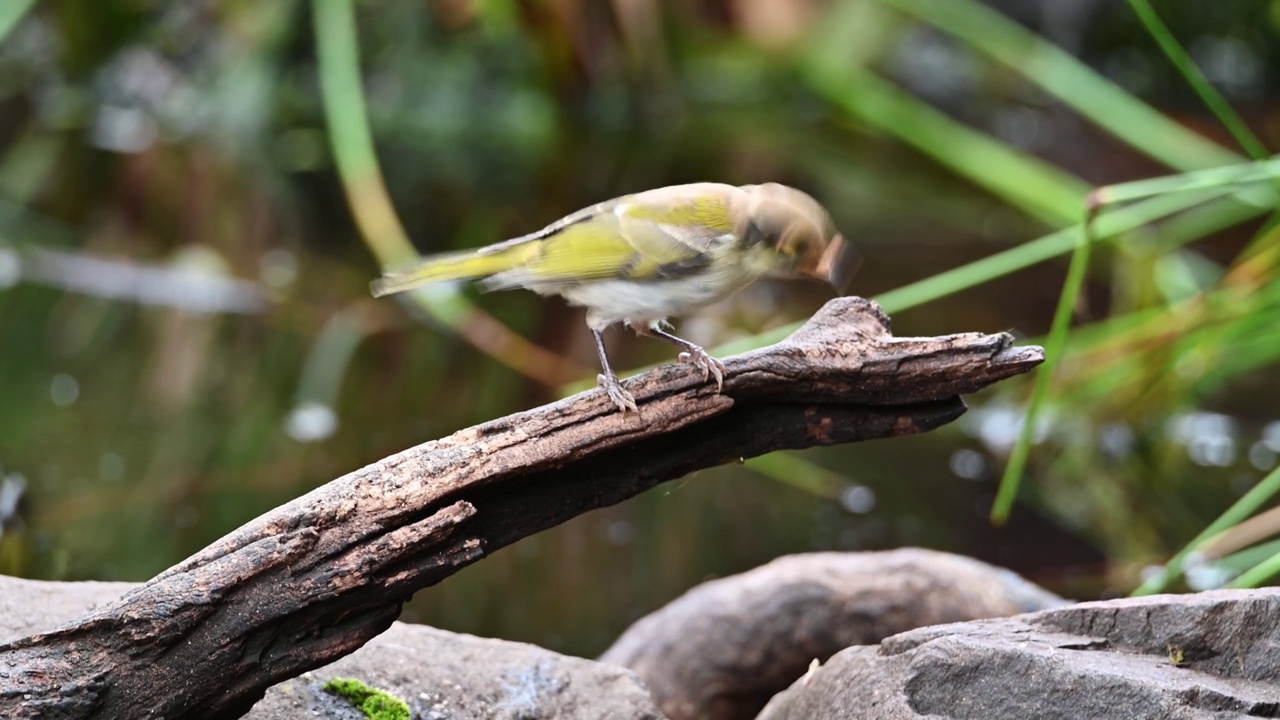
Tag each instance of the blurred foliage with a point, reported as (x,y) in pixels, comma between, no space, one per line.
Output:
(186,339)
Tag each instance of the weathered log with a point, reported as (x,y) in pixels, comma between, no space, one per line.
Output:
(316,578)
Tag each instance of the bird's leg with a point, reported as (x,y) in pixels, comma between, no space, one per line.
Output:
(609,380)
(690,353)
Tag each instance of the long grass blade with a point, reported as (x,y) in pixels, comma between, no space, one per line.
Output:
(1247,505)
(1258,574)
(1053,350)
(1196,78)
(1237,174)
(1059,74)
(11,13)
(791,469)
(1050,246)
(1037,188)
(352,142)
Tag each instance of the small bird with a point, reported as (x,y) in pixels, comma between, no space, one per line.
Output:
(639,259)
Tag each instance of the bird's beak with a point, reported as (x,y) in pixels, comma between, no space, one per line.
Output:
(838,264)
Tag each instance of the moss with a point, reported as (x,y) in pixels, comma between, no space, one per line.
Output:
(375,704)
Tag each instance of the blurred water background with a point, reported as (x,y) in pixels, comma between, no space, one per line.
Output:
(187,340)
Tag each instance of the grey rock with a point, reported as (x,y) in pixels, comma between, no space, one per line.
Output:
(724,648)
(31,606)
(1209,655)
(449,676)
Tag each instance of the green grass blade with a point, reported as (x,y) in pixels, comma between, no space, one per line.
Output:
(1241,561)
(1057,341)
(1036,187)
(344,109)
(1041,249)
(11,13)
(1258,574)
(791,469)
(1207,92)
(1237,174)
(1059,74)
(1247,505)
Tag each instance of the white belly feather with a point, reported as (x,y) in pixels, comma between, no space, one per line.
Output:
(645,303)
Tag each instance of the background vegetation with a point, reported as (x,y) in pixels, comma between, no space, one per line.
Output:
(194,195)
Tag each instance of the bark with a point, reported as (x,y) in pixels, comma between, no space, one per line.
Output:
(314,579)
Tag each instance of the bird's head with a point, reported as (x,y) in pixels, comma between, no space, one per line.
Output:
(786,233)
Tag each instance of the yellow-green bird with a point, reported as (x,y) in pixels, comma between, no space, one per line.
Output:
(639,259)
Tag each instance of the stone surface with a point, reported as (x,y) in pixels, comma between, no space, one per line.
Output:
(1178,657)
(31,606)
(1209,655)
(449,676)
(724,648)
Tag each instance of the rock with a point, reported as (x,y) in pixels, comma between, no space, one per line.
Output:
(724,648)
(1209,655)
(439,674)
(449,676)
(31,606)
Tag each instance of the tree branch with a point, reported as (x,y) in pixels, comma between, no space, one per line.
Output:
(316,578)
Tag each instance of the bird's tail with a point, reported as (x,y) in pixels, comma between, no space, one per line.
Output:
(451,266)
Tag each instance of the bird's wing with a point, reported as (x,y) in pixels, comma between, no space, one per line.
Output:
(675,236)
(634,238)
(556,227)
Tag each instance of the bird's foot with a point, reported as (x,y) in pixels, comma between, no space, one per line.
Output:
(710,366)
(618,394)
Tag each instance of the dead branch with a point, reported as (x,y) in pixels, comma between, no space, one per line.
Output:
(314,579)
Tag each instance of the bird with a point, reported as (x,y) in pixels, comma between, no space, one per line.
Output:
(642,258)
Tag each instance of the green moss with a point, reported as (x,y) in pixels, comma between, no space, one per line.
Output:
(375,704)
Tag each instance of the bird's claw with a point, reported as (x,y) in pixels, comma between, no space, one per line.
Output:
(618,394)
(710,366)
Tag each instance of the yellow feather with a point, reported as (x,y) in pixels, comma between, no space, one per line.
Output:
(710,212)
(452,266)
(588,250)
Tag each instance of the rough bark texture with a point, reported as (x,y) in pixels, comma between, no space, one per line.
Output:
(316,578)
(1213,655)
(724,648)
